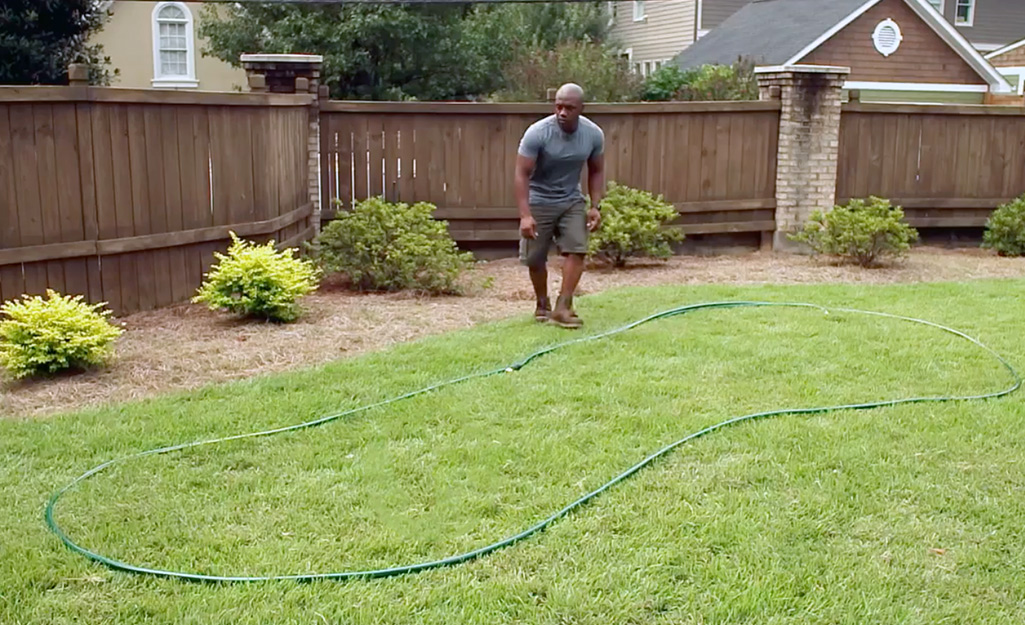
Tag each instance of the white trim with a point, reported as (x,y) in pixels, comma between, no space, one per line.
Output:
(644,15)
(702,33)
(698,18)
(939,25)
(1004,50)
(915,86)
(898,37)
(807,69)
(188,81)
(942,8)
(1015,70)
(281,58)
(987,47)
(829,33)
(971,14)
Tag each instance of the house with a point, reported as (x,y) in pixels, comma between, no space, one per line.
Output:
(652,32)
(1010,61)
(154,45)
(897,50)
(987,24)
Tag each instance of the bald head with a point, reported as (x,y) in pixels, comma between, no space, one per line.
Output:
(569,103)
(570,90)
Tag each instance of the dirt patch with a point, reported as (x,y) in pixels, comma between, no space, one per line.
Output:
(186,346)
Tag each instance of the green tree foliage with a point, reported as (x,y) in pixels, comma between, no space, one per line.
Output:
(40,38)
(604,75)
(707,83)
(390,52)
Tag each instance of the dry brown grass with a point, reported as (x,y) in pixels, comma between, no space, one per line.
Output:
(186,346)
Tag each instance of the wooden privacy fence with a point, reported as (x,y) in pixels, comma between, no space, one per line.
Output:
(716,161)
(947,166)
(124,195)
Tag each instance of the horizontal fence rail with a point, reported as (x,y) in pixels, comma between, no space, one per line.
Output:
(947,166)
(123,195)
(716,162)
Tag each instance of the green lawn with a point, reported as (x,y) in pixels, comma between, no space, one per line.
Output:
(911,514)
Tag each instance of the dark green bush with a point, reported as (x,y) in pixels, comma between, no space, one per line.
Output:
(633,224)
(1005,229)
(859,232)
(384,246)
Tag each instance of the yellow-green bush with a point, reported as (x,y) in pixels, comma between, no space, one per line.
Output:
(633,223)
(258,281)
(46,335)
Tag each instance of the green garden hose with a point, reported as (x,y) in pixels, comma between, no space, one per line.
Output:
(530,531)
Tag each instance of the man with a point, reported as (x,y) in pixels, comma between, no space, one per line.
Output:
(552,207)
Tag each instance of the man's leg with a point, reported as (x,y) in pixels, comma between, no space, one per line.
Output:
(573,245)
(534,254)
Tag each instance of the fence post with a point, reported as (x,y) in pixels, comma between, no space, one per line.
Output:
(294,73)
(809,140)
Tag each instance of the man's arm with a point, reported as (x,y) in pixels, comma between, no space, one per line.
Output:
(524,167)
(595,188)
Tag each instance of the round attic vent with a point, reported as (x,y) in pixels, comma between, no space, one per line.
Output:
(887,37)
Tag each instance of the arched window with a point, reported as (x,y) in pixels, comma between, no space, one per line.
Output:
(174,54)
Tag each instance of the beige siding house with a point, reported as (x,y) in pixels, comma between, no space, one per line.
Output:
(651,32)
(154,45)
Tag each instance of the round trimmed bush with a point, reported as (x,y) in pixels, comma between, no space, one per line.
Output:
(1005,229)
(633,223)
(59,332)
(859,232)
(384,246)
(258,281)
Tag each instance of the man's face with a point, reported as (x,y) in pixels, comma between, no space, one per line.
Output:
(567,112)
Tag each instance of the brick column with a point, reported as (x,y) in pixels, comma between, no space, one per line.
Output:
(294,73)
(809,139)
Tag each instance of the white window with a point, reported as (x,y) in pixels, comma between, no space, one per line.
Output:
(174,53)
(611,8)
(639,10)
(964,13)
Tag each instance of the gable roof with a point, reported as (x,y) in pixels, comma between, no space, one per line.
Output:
(782,32)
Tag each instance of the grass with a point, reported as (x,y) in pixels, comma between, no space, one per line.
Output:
(910,514)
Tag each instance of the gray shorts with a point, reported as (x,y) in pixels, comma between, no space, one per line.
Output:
(564,225)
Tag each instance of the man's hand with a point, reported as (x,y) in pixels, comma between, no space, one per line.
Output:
(528,227)
(593,219)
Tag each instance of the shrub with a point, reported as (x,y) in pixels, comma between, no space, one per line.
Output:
(532,71)
(859,232)
(258,281)
(721,82)
(384,246)
(633,224)
(49,335)
(1005,229)
(666,82)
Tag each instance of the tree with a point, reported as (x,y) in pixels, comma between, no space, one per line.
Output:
(427,52)
(40,38)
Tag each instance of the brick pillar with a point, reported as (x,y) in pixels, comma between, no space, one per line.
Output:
(809,140)
(294,73)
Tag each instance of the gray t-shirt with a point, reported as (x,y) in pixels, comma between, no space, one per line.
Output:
(559,159)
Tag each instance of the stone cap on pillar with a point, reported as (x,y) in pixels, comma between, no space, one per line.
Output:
(280,71)
(803,69)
